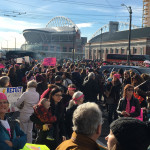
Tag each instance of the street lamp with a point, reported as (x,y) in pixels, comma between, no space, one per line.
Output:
(74,38)
(130,15)
(101,45)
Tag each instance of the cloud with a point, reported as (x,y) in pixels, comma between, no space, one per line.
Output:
(84,25)
(15,25)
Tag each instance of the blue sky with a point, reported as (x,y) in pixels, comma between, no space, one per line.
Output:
(15,16)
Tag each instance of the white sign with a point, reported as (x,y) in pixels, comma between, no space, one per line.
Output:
(12,93)
(19,60)
(27,59)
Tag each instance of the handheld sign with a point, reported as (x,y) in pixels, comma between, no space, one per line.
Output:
(2,66)
(50,61)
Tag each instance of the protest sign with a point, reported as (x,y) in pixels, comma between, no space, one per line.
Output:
(27,59)
(2,66)
(12,93)
(19,60)
(50,61)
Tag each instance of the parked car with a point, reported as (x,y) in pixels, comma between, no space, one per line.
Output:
(137,69)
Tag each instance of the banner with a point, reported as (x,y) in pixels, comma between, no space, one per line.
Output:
(50,61)
(2,66)
(12,93)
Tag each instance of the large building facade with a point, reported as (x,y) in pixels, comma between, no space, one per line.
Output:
(116,42)
(61,39)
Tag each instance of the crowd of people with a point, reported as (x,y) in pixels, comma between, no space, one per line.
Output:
(60,104)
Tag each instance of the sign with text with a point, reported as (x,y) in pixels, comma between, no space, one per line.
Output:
(27,59)
(12,93)
(19,60)
(50,61)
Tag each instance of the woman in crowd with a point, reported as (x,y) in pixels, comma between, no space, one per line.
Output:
(30,76)
(129,106)
(68,96)
(4,81)
(13,77)
(11,136)
(66,79)
(77,100)
(127,78)
(57,109)
(26,102)
(128,134)
(115,88)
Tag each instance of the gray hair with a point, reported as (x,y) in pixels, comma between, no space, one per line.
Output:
(86,118)
(91,75)
(77,94)
(32,84)
(4,80)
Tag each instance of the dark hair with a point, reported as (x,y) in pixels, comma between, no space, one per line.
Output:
(138,78)
(53,92)
(67,75)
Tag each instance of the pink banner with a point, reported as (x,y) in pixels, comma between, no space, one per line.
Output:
(2,66)
(51,61)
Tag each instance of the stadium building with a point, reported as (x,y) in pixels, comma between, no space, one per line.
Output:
(61,38)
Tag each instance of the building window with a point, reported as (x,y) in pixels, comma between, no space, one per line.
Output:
(70,49)
(64,49)
(111,51)
(116,51)
(58,49)
(122,51)
(106,50)
(142,51)
(134,50)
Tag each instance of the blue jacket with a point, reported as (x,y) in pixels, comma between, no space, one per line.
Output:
(18,138)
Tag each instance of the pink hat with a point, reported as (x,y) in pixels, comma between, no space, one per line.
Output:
(117,76)
(3,96)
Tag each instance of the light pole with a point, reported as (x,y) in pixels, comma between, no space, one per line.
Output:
(101,45)
(74,38)
(130,15)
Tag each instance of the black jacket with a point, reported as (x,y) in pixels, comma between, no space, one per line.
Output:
(133,102)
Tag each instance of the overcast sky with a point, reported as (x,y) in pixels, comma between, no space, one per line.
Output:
(89,16)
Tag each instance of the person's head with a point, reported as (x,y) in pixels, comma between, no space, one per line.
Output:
(78,97)
(66,75)
(145,76)
(87,120)
(45,102)
(126,74)
(4,105)
(91,75)
(128,133)
(32,84)
(39,78)
(4,81)
(55,95)
(136,80)
(71,89)
(116,77)
(112,73)
(128,91)
(58,79)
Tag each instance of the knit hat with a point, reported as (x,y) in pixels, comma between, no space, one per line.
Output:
(77,96)
(131,133)
(3,96)
(117,76)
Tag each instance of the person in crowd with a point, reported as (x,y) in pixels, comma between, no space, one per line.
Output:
(129,106)
(43,112)
(77,100)
(76,78)
(83,74)
(11,136)
(26,102)
(57,109)
(128,133)
(66,79)
(87,124)
(4,81)
(58,82)
(13,77)
(19,74)
(91,88)
(50,77)
(114,95)
(30,76)
(127,78)
(60,71)
(68,96)
(41,83)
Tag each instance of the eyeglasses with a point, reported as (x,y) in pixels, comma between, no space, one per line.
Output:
(130,89)
(3,103)
(58,95)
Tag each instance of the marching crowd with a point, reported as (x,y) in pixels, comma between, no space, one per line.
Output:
(60,105)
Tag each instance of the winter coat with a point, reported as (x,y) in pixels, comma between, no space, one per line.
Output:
(18,138)
(133,103)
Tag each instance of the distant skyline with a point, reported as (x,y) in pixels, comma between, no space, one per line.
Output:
(89,16)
